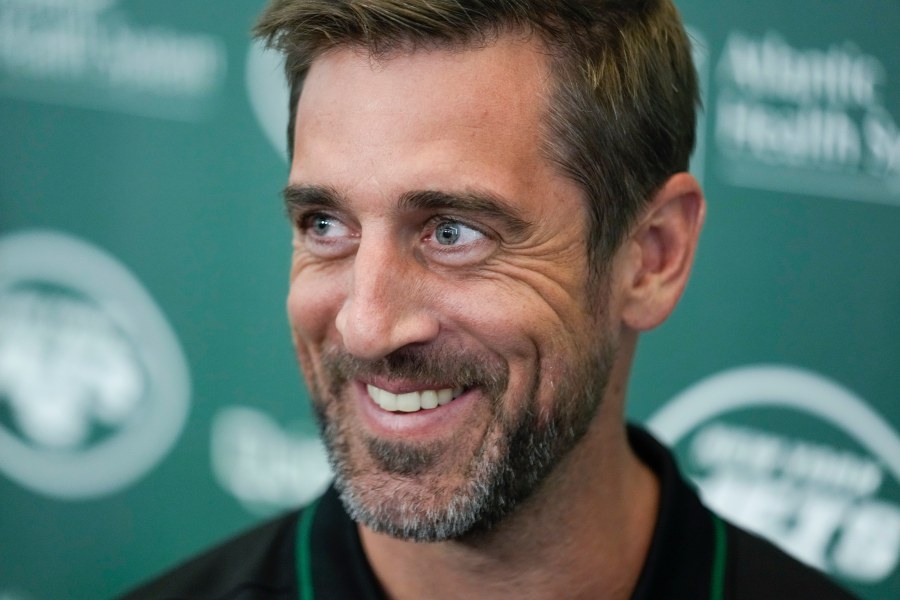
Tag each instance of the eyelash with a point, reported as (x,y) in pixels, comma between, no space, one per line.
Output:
(338,244)
(434,222)
(304,221)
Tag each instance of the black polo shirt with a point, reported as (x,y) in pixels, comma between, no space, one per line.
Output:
(315,553)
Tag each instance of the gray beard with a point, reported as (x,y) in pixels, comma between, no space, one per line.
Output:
(498,479)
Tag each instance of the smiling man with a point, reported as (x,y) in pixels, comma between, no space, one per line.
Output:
(441,302)
(490,203)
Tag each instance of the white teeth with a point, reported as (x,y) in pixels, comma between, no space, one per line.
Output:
(412,401)
(429,399)
(409,402)
(444,396)
(385,400)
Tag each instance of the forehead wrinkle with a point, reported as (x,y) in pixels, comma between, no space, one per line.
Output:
(471,202)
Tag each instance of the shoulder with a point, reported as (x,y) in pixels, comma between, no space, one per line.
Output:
(258,563)
(758,569)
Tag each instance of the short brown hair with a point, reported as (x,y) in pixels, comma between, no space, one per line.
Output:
(623,114)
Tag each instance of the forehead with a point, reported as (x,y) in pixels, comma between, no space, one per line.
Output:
(509,73)
(425,118)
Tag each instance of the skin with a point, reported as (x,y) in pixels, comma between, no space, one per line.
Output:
(369,277)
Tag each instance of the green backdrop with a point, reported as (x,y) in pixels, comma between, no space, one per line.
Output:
(149,401)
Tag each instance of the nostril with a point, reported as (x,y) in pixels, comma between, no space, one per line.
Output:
(373,331)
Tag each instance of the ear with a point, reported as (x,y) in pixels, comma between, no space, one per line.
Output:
(660,252)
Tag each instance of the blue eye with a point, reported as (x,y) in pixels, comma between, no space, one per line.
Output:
(320,225)
(455,244)
(447,234)
(325,235)
(454,233)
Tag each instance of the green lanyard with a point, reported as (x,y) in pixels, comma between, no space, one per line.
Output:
(304,560)
(717,580)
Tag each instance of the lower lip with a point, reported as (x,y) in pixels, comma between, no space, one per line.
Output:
(426,423)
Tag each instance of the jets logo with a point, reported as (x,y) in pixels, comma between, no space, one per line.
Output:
(93,384)
(797,458)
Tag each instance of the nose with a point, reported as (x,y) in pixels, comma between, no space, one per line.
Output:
(387,304)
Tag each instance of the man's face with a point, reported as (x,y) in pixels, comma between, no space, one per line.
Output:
(438,299)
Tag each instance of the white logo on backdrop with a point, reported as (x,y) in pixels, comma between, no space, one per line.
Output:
(269,93)
(87,53)
(93,383)
(806,120)
(266,467)
(817,501)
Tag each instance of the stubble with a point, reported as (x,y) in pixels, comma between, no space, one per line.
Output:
(402,488)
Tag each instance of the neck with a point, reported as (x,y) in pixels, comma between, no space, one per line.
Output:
(584,533)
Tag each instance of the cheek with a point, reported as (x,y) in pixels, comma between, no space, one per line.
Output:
(543,331)
(312,304)
(522,319)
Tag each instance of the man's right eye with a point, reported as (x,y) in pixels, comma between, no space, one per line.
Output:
(320,225)
(325,235)
(323,225)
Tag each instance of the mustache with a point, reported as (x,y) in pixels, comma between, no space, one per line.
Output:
(442,367)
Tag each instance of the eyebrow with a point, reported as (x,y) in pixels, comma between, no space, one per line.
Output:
(478,203)
(298,198)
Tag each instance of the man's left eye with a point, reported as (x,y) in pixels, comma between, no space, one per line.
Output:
(453,233)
